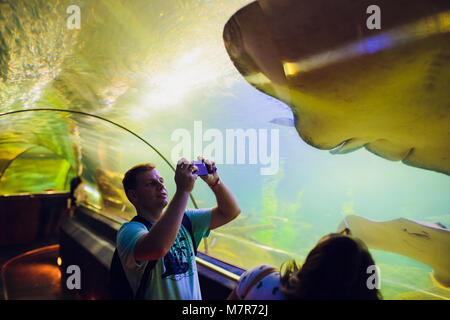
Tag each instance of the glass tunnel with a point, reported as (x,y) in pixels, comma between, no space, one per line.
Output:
(314,120)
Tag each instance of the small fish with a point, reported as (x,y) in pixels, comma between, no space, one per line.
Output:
(288,122)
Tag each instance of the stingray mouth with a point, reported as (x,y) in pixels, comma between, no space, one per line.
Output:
(381,147)
(341,148)
(422,234)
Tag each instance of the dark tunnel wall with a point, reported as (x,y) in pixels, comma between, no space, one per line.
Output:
(26,219)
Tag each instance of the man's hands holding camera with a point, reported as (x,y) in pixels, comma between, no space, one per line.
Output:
(212,178)
(186,174)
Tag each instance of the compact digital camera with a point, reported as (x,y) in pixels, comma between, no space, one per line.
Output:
(202,169)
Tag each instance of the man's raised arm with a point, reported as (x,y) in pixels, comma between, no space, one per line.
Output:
(160,238)
(227,207)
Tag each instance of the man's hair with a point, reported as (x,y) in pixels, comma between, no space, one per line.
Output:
(130,179)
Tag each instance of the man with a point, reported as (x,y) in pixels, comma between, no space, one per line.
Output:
(174,275)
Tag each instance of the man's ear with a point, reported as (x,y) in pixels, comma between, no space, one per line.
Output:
(131,194)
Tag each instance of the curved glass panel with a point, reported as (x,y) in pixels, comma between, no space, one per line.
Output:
(159,70)
(99,151)
(34,170)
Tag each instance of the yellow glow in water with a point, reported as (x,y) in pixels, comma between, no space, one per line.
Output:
(426,27)
(191,71)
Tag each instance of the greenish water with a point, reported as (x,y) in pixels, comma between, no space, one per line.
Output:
(155,67)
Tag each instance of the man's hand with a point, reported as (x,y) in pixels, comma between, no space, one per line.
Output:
(184,178)
(212,176)
(227,207)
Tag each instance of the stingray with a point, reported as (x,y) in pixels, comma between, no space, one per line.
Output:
(426,242)
(350,87)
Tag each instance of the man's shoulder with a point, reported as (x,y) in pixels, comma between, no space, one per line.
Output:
(130,230)
(194,212)
(132,225)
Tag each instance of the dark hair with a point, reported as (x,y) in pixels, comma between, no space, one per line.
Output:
(130,179)
(336,268)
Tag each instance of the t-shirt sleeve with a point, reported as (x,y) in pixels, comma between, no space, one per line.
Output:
(127,236)
(200,221)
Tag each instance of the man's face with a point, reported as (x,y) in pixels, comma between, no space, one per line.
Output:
(150,192)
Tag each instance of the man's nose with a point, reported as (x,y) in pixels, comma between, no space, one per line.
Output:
(161,185)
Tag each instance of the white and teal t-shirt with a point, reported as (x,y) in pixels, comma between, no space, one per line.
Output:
(175,276)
